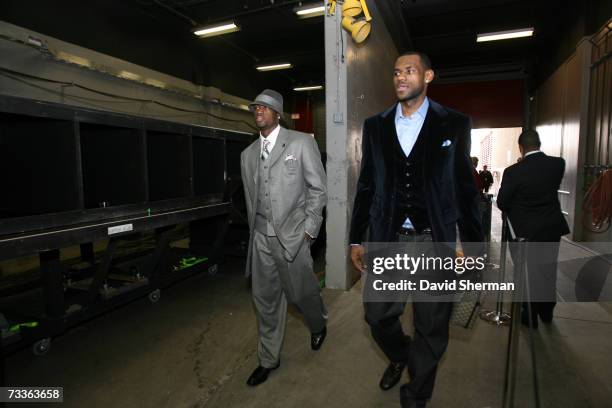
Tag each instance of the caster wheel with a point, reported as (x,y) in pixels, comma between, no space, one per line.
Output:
(42,347)
(154,296)
(212,270)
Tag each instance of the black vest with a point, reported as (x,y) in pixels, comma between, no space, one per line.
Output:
(409,184)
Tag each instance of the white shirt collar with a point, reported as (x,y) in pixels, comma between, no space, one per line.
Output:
(532,152)
(271,138)
(422,111)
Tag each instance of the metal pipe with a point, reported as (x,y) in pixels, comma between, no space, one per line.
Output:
(176,12)
(534,370)
(513,335)
(502,261)
(497,316)
(600,109)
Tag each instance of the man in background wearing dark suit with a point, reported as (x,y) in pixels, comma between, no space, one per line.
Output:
(486,178)
(477,180)
(528,195)
(416,185)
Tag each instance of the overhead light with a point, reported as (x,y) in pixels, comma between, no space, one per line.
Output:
(129,75)
(353,8)
(73,59)
(154,82)
(217,29)
(359,29)
(505,35)
(310,10)
(35,41)
(308,88)
(274,67)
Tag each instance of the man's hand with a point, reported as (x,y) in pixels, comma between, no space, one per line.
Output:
(357,252)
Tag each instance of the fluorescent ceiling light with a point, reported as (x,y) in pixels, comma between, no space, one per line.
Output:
(274,67)
(35,41)
(217,29)
(129,75)
(308,88)
(504,35)
(154,82)
(311,10)
(73,59)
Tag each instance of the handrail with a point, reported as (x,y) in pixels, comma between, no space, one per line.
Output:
(521,280)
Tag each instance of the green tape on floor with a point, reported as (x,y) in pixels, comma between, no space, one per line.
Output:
(189,262)
(17,327)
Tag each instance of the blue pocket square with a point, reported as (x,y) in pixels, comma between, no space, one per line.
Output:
(446,143)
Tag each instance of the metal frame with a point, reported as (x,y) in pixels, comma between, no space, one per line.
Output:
(32,242)
(21,106)
(45,234)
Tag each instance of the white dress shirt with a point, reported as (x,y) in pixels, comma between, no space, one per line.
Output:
(271,138)
(532,152)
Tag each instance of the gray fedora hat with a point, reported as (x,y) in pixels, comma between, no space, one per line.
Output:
(269,98)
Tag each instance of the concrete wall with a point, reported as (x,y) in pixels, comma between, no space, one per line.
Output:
(72,65)
(358,85)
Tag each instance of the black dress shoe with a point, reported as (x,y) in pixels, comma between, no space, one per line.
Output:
(407,399)
(391,376)
(546,315)
(260,375)
(525,319)
(317,339)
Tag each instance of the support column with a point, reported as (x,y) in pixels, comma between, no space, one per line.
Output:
(358,80)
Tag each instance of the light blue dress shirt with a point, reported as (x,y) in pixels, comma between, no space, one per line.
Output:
(408,128)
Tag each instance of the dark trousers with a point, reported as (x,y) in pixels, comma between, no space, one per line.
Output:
(542,256)
(430,340)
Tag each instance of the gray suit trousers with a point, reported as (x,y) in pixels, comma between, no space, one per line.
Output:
(276,282)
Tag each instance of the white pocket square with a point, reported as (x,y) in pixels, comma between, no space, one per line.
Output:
(290,157)
(446,143)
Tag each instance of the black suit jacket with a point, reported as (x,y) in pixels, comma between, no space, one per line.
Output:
(528,195)
(450,191)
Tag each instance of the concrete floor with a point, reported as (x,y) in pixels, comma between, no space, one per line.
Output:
(197,346)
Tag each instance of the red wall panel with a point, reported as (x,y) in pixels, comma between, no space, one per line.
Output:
(490,104)
(303,106)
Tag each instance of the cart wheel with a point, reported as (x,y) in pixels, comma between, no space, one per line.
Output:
(154,296)
(42,347)
(212,270)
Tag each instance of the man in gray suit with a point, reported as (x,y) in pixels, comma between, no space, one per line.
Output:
(285,192)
